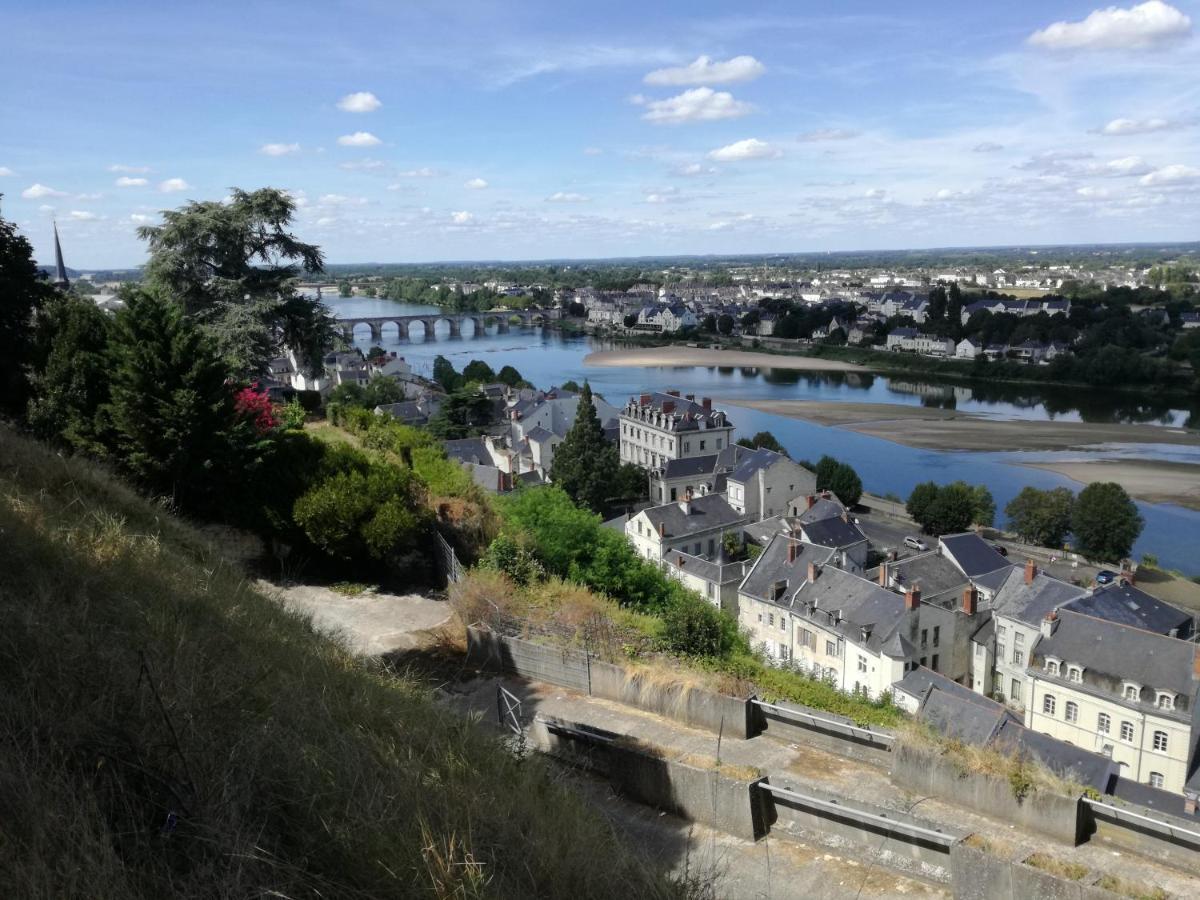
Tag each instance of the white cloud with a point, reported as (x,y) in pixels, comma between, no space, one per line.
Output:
(80,215)
(475,184)
(1126,165)
(173,184)
(360,102)
(341,200)
(987,147)
(126,181)
(139,218)
(750,148)
(875,193)
(1125,127)
(567,197)
(692,170)
(461,218)
(38,191)
(663,195)
(697,105)
(1176,174)
(365,165)
(359,139)
(592,151)
(423,172)
(827,134)
(278,149)
(5,171)
(95,196)
(1092,192)
(719,226)
(706,70)
(132,170)
(1140,27)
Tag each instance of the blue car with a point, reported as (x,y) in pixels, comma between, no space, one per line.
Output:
(1105,576)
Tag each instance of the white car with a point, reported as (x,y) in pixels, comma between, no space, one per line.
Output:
(915,543)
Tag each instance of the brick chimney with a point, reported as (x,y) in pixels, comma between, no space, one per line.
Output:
(706,402)
(1030,571)
(813,571)
(791,551)
(662,529)
(1196,665)
(1050,624)
(668,407)
(970,600)
(883,574)
(673,393)
(912,598)
(811,501)
(690,397)
(644,400)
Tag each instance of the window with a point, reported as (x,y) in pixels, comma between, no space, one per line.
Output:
(924,661)
(1048,704)
(1018,657)
(1132,692)
(702,445)
(771,619)
(830,648)
(709,589)
(1156,779)
(1015,693)
(924,636)
(696,551)
(1052,667)
(862,663)
(1000,653)
(1074,673)
(782,624)
(1160,741)
(1072,711)
(718,443)
(1103,723)
(1127,731)
(674,494)
(1019,638)
(1166,701)
(934,666)
(712,546)
(1001,630)
(937,632)
(1107,750)
(807,638)
(783,654)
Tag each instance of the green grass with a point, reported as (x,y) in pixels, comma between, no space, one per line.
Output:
(168,731)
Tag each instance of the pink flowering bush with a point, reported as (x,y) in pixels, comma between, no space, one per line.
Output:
(254,404)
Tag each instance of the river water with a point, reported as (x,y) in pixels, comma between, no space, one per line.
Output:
(548,358)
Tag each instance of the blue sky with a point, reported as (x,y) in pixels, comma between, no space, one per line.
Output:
(414,131)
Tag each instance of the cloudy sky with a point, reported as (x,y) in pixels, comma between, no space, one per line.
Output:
(469,130)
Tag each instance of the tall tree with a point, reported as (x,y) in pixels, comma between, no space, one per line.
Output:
(23,291)
(445,374)
(71,387)
(463,414)
(767,441)
(585,464)
(1105,522)
(1041,517)
(171,410)
(232,265)
(478,370)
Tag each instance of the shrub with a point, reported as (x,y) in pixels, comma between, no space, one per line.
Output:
(513,556)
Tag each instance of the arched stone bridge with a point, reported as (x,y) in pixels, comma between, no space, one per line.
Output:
(501,318)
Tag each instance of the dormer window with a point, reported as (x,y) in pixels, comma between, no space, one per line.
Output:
(1074,673)
(1166,700)
(1131,692)
(1052,667)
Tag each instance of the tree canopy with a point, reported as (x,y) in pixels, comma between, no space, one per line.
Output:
(23,290)
(951,508)
(767,441)
(1105,521)
(585,463)
(839,477)
(1041,517)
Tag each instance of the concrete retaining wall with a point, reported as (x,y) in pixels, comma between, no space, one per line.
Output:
(1179,850)
(709,796)
(926,772)
(783,727)
(576,670)
(978,874)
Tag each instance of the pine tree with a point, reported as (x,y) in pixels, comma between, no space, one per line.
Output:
(171,409)
(22,292)
(585,464)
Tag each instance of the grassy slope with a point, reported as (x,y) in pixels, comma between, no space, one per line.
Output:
(165,730)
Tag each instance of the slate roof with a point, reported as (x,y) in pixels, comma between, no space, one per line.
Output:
(822,508)
(930,571)
(859,603)
(1121,603)
(689,466)
(538,434)
(1111,653)
(468,450)
(1029,603)
(687,413)
(772,566)
(833,532)
(707,512)
(992,581)
(765,529)
(972,554)
(753,461)
(1064,759)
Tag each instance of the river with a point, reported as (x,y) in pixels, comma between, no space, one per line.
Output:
(547,358)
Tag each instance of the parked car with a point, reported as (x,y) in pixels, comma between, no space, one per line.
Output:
(1001,549)
(1106,576)
(915,543)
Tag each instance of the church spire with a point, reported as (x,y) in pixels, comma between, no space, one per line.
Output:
(60,270)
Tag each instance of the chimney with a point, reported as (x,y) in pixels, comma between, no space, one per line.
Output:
(668,407)
(685,505)
(791,552)
(706,402)
(1196,665)
(912,598)
(662,529)
(813,571)
(1050,624)
(673,393)
(846,517)
(691,397)
(1030,571)
(811,501)
(970,600)
(644,400)
(883,574)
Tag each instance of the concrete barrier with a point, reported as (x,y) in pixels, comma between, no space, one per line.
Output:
(792,722)
(928,773)
(566,666)
(1158,835)
(983,874)
(706,795)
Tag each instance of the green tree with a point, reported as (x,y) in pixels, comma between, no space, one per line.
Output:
(846,484)
(171,410)
(376,353)
(709,324)
(571,385)
(952,511)
(985,506)
(585,464)
(767,441)
(515,557)
(72,387)
(825,470)
(478,370)
(1105,521)
(920,502)
(510,376)
(630,320)
(629,485)
(463,414)
(232,266)
(344,289)
(23,291)
(725,324)
(693,627)
(445,374)
(1041,517)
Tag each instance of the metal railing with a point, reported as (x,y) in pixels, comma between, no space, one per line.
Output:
(933,836)
(1173,831)
(877,737)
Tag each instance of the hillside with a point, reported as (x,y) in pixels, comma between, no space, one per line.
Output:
(167,731)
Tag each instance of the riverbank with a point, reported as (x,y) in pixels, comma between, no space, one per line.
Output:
(931,428)
(1149,480)
(676,355)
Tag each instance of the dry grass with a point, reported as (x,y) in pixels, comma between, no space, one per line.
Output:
(165,730)
(1047,863)
(1127,888)
(694,760)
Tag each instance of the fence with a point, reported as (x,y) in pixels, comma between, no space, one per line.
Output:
(448,563)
